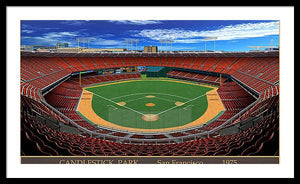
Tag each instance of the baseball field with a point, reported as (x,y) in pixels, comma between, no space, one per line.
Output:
(150,105)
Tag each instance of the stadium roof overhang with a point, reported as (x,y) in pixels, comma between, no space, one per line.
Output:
(158,54)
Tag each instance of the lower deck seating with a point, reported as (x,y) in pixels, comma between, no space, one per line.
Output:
(234,99)
(38,139)
(65,97)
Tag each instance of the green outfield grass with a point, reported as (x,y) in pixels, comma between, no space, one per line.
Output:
(136,95)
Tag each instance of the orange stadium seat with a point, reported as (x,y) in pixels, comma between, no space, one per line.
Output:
(259,75)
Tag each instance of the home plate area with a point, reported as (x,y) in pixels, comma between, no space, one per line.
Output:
(150,117)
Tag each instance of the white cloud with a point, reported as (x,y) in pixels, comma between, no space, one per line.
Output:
(50,38)
(188,40)
(107,35)
(101,41)
(136,22)
(38,40)
(26,26)
(232,32)
(55,35)
(27,31)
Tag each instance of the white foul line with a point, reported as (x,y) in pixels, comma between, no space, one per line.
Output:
(179,106)
(115,103)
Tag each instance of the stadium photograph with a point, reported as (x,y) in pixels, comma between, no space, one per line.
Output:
(149,89)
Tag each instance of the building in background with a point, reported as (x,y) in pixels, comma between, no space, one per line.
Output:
(37,47)
(69,49)
(150,48)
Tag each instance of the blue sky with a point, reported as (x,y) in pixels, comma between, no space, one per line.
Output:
(187,35)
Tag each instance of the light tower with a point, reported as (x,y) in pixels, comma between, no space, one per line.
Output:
(160,41)
(166,41)
(163,41)
(126,41)
(130,42)
(84,40)
(171,41)
(212,38)
(136,42)
(271,42)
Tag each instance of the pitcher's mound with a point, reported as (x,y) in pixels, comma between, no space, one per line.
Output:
(150,96)
(121,103)
(179,103)
(150,117)
(150,104)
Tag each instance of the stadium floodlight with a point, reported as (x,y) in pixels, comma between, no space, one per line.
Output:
(84,40)
(130,41)
(171,41)
(136,41)
(161,41)
(210,38)
(127,42)
(166,45)
(271,42)
(166,41)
